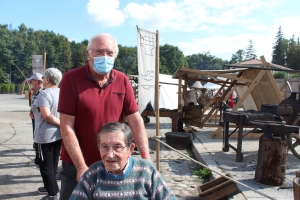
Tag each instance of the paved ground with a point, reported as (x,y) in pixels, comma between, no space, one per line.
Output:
(19,177)
(176,169)
(210,152)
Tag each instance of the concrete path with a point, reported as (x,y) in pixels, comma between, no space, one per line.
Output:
(210,152)
(20,178)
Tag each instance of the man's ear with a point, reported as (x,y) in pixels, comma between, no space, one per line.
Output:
(131,147)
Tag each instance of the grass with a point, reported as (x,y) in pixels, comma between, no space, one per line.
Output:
(203,173)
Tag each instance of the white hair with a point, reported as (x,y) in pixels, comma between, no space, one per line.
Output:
(54,75)
(100,35)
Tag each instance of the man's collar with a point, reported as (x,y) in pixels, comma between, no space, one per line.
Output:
(88,75)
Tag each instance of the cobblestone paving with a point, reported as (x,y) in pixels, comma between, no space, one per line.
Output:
(175,168)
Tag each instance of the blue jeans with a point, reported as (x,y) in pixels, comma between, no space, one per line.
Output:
(68,180)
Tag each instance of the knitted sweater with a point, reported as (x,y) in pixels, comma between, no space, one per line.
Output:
(139,181)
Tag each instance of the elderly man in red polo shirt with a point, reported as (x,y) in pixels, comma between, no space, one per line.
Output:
(91,96)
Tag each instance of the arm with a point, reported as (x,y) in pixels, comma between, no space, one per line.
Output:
(82,190)
(136,124)
(48,117)
(71,143)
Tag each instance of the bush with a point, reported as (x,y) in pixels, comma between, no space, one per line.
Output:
(296,75)
(278,75)
(5,89)
(11,88)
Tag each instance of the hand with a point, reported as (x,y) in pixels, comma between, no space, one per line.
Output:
(31,115)
(80,172)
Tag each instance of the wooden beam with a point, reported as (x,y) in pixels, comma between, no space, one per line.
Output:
(185,90)
(213,81)
(248,91)
(196,78)
(223,97)
(179,95)
(231,77)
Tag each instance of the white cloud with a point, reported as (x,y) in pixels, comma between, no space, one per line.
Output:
(106,12)
(196,26)
(189,15)
(289,25)
(224,46)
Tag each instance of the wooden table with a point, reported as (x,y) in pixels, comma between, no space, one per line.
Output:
(242,120)
(177,126)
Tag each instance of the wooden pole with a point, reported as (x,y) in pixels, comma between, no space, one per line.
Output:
(157,100)
(44,63)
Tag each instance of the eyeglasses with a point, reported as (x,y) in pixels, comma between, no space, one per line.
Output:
(101,52)
(115,148)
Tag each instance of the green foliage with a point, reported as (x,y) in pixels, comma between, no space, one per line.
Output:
(295,75)
(278,75)
(12,88)
(204,61)
(18,45)
(5,88)
(126,61)
(171,58)
(293,54)
(79,56)
(203,173)
(237,57)
(279,49)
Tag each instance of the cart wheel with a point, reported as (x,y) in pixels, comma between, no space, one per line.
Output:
(293,140)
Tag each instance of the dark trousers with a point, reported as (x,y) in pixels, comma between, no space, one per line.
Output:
(68,180)
(33,126)
(50,152)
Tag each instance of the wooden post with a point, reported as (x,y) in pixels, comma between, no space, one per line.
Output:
(157,100)
(271,161)
(44,62)
(296,186)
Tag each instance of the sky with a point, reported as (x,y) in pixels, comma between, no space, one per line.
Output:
(221,27)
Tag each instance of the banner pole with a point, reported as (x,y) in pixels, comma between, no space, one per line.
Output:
(157,100)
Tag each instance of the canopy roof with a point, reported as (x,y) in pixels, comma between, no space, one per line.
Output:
(258,64)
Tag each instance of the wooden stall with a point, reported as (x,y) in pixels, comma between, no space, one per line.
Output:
(252,80)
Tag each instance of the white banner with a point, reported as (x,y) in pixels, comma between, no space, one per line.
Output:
(146,52)
(37,64)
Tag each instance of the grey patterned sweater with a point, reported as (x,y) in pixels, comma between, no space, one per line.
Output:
(139,181)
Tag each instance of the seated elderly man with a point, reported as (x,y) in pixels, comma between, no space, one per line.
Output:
(118,175)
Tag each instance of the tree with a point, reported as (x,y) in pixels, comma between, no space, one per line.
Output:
(293,54)
(6,54)
(279,49)
(250,52)
(237,57)
(126,61)
(171,58)
(78,51)
(204,61)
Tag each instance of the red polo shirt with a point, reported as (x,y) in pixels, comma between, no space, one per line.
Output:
(93,106)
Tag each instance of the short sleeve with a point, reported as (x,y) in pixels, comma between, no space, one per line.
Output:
(43,99)
(67,97)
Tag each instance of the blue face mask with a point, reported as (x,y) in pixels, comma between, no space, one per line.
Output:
(103,64)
